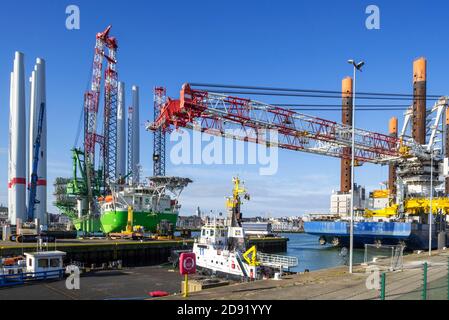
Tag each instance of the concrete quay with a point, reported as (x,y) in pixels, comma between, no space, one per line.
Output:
(131,253)
(339,284)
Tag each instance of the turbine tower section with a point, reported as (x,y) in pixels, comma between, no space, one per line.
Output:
(446,150)
(160,96)
(10,153)
(135,137)
(17,143)
(129,156)
(32,124)
(37,99)
(121,134)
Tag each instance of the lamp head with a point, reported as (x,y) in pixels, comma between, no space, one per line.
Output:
(358,66)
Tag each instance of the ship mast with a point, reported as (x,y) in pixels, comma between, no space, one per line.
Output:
(234,204)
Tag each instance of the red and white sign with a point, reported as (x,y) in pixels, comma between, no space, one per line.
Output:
(187,263)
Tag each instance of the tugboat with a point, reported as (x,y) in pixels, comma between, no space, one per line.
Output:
(221,248)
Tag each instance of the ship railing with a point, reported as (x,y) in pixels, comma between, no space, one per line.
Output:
(7,280)
(277,261)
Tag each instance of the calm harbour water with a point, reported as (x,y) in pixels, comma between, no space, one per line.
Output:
(313,256)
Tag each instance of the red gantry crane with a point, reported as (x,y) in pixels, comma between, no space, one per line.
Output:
(216,113)
(108,140)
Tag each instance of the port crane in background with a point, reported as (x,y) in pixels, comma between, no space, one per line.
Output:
(30,230)
(95,163)
(216,114)
(32,201)
(159,139)
(234,203)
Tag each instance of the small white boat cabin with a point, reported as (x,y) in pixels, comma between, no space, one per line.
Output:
(50,262)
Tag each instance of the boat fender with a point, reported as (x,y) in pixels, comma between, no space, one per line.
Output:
(156,294)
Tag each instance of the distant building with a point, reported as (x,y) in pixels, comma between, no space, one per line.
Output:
(282,224)
(191,222)
(255,219)
(287,224)
(220,219)
(3,215)
(341,201)
(253,224)
(257,228)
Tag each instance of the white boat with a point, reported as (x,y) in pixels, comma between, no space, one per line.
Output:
(215,253)
(221,250)
(46,264)
(40,265)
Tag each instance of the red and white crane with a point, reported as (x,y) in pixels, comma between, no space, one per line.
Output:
(107,140)
(249,120)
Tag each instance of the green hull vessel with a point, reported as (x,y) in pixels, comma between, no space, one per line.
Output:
(116,221)
(152,204)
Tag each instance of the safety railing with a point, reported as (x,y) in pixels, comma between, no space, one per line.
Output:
(279,261)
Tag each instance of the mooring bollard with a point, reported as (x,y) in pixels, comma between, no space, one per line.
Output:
(382,286)
(424,288)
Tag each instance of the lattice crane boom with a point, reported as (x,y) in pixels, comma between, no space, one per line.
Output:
(108,140)
(159,142)
(110,112)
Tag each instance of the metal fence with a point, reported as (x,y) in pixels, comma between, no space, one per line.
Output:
(390,257)
(8,280)
(424,280)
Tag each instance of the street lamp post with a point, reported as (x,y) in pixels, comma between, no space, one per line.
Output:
(430,203)
(357,66)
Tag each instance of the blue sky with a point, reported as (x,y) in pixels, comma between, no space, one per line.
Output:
(297,44)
